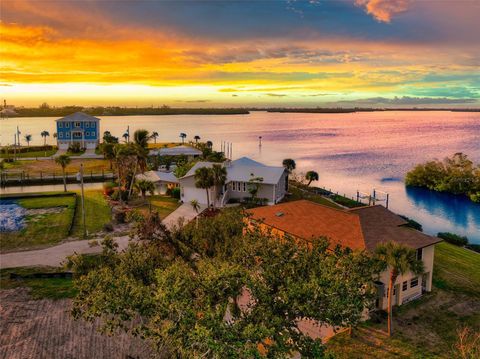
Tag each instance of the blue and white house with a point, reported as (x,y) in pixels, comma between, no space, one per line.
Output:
(78,127)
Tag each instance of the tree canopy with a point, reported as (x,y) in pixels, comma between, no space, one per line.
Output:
(178,289)
(456,174)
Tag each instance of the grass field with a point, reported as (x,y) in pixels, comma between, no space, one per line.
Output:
(296,194)
(30,154)
(41,228)
(51,288)
(164,205)
(97,213)
(49,166)
(426,328)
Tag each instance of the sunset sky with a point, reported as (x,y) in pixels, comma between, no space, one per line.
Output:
(382,53)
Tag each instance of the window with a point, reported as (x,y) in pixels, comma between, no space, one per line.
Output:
(87,124)
(404,286)
(67,124)
(413,282)
(60,125)
(244,186)
(419,254)
(77,124)
(87,133)
(92,124)
(60,135)
(67,135)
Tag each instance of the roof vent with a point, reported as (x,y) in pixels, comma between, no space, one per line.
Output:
(279,214)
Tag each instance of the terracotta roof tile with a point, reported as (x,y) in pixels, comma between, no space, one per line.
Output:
(360,228)
(305,219)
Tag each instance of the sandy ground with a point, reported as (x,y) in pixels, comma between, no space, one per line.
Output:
(44,329)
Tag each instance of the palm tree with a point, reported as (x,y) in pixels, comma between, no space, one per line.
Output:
(183,136)
(311,176)
(44,134)
(126,137)
(143,186)
(107,150)
(209,144)
(28,138)
(204,179)
(196,138)
(154,136)
(398,259)
(63,161)
(219,174)
(141,138)
(54,135)
(196,206)
(289,164)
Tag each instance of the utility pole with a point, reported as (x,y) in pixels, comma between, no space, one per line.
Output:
(259,141)
(80,177)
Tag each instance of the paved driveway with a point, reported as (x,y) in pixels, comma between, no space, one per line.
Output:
(54,256)
(186,211)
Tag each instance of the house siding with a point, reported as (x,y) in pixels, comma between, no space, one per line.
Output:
(66,130)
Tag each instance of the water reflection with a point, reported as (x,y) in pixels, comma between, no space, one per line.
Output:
(458,209)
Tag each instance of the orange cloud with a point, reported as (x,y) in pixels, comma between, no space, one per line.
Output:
(383,10)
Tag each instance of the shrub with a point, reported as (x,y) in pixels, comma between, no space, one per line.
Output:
(109,188)
(412,223)
(473,247)
(453,238)
(74,147)
(176,193)
(108,227)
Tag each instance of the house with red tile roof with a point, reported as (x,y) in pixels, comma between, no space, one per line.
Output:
(359,229)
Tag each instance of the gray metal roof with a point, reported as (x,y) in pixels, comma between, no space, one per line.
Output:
(244,169)
(157,176)
(78,116)
(177,151)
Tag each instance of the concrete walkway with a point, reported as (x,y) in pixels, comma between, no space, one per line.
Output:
(54,256)
(186,211)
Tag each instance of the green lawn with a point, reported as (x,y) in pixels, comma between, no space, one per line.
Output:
(296,194)
(29,154)
(457,269)
(425,328)
(41,228)
(52,288)
(163,204)
(97,213)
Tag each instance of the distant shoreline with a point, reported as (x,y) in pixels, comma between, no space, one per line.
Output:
(165,111)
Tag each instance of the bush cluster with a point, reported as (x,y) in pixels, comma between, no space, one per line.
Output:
(457,175)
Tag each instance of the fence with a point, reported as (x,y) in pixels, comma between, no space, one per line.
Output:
(16,178)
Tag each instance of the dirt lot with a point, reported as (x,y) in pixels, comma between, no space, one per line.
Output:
(44,329)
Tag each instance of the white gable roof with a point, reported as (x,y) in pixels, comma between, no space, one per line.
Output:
(78,116)
(243,172)
(245,161)
(197,166)
(177,151)
(244,169)
(157,176)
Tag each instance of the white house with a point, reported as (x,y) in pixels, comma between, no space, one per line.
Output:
(272,186)
(162,180)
